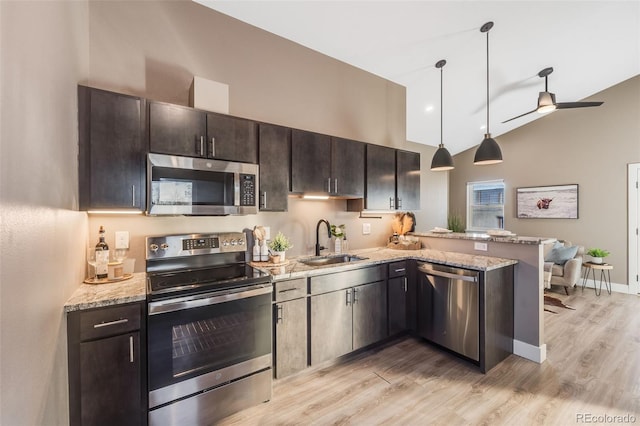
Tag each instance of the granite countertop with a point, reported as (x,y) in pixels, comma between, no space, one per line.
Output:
(514,239)
(296,269)
(89,296)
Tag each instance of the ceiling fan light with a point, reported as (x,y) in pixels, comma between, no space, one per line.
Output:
(488,152)
(441,160)
(542,109)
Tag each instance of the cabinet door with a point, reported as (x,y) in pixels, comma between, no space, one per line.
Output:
(347,168)
(397,305)
(275,163)
(408,180)
(310,162)
(110,381)
(369,314)
(111,166)
(232,139)
(331,325)
(381,182)
(177,130)
(290,337)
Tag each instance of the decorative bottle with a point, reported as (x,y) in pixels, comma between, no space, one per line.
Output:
(264,252)
(102,257)
(256,251)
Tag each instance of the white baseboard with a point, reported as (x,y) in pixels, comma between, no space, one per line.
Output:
(534,353)
(615,287)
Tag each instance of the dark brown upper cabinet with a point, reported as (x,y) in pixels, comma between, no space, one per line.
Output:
(275,162)
(381,178)
(310,162)
(179,130)
(407,180)
(392,180)
(112,150)
(326,165)
(347,168)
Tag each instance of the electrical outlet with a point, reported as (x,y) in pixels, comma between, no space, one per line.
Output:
(366,228)
(480,246)
(122,239)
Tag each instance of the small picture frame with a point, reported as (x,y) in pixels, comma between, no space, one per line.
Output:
(547,202)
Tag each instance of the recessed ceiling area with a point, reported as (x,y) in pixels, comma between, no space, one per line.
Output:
(592,45)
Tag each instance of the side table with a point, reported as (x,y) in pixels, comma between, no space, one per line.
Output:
(602,267)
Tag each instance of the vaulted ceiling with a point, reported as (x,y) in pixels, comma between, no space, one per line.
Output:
(592,45)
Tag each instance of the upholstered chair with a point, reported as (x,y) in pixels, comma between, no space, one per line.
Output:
(565,263)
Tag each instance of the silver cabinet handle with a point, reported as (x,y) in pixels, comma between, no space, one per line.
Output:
(348,297)
(329,185)
(110,323)
(213,147)
(401,270)
(405,284)
(131,349)
(287,289)
(133,195)
(335,182)
(355,296)
(202,146)
(399,203)
(278,313)
(391,203)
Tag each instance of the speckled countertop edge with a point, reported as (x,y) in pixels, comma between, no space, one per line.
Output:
(89,296)
(485,237)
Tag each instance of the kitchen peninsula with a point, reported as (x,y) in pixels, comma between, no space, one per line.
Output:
(528,281)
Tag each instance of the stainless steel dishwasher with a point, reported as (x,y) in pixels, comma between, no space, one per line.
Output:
(448,310)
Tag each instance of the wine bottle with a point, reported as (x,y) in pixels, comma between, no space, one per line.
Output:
(102,257)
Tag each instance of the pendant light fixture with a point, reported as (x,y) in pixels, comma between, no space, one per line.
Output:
(441,160)
(489,150)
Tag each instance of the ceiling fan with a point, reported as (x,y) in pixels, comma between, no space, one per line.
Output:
(547,100)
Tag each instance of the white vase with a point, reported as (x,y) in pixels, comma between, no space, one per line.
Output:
(338,245)
(597,260)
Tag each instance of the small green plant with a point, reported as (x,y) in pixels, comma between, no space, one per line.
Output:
(280,243)
(338,231)
(455,223)
(596,252)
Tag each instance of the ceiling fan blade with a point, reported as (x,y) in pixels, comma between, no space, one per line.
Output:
(521,115)
(567,105)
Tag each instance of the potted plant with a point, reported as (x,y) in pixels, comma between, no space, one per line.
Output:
(597,254)
(455,222)
(279,245)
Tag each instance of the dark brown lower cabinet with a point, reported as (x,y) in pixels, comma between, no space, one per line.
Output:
(107,380)
(290,337)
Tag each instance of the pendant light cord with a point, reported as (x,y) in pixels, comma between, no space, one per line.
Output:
(488,132)
(441,107)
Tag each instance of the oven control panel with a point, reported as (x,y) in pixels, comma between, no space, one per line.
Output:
(194,244)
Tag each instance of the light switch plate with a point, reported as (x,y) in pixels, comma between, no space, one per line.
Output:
(480,246)
(366,228)
(122,239)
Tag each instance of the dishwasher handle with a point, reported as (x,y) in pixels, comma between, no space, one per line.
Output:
(436,273)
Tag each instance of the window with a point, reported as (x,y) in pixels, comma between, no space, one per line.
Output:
(485,205)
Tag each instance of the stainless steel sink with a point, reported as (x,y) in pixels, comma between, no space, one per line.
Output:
(330,260)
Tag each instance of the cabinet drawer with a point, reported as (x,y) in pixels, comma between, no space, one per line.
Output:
(339,280)
(289,289)
(398,269)
(109,321)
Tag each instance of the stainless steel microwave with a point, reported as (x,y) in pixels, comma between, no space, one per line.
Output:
(199,186)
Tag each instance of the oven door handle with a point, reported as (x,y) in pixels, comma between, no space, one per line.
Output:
(165,306)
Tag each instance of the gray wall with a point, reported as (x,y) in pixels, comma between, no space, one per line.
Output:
(590,147)
(44,53)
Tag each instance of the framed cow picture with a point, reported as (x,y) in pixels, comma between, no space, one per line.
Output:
(547,202)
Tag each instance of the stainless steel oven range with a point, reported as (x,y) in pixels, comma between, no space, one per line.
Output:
(209,328)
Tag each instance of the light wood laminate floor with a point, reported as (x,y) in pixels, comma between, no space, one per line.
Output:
(592,368)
